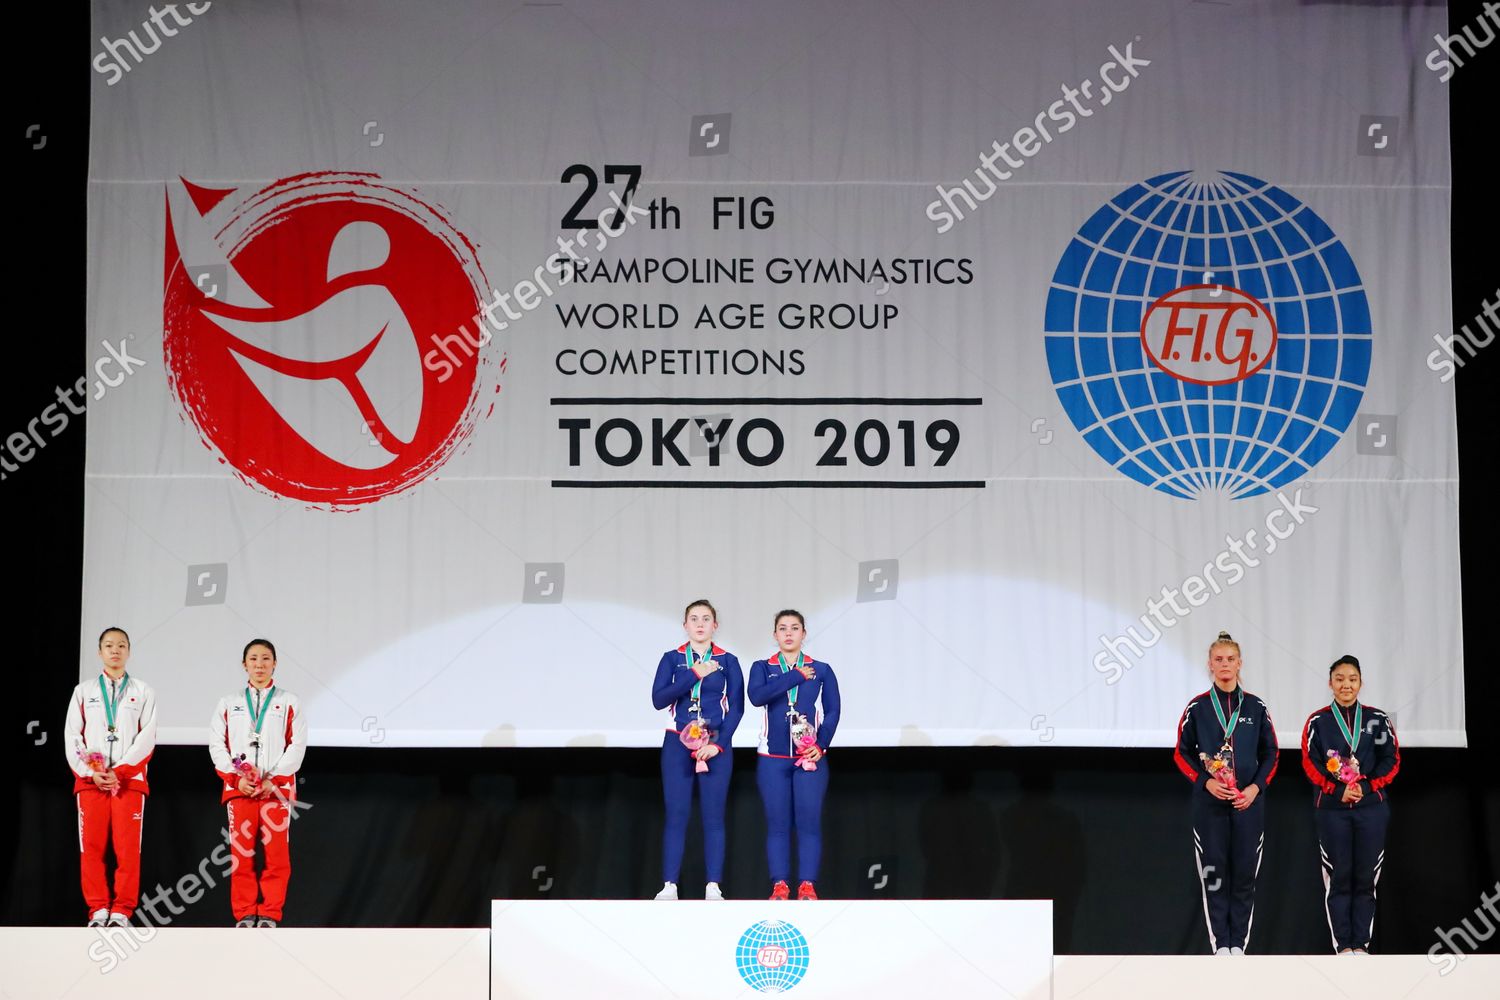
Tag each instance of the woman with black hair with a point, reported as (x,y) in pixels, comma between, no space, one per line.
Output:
(800,696)
(1350,754)
(257,739)
(109,736)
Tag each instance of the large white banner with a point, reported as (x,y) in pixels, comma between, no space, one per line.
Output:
(1021,347)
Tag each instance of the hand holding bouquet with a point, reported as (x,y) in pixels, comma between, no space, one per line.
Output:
(1221,769)
(94,761)
(695,736)
(804,737)
(247,772)
(1346,770)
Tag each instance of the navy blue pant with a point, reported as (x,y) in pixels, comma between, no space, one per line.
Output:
(677,780)
(793,799)
(1228,843)
(1352,845)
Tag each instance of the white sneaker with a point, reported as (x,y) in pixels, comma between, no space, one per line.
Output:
(668,891)
(1359,951)
(712,892)
(119,920)
(1236,950)
(99,918)
(1221,953)
(265,922)
(245,922)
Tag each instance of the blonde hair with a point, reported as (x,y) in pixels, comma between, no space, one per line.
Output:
(1224,639)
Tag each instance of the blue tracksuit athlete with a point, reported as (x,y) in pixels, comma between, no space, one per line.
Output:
(720,698)
(1351,835)
(793,797)
(1227,842)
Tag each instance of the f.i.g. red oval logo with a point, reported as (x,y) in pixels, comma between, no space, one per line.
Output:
(1209,334)
(294,321)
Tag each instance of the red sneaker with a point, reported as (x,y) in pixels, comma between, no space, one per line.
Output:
(806,891)
(781,891)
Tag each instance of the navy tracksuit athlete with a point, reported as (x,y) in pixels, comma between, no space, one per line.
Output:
(721,700)
(793,797)
(1227,842)
(1351,835)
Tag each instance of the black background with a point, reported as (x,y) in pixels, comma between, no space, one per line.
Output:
(427,837)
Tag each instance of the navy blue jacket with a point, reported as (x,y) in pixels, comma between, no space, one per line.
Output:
(722,696)
(1254,746)
(817,699)
(1378,752)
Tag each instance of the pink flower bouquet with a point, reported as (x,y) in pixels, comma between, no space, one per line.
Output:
(94,761)
(247,771)
(695,736)
(804,736)
(1222,770)
(1345,769)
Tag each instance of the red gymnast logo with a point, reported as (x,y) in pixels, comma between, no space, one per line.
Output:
(292,319)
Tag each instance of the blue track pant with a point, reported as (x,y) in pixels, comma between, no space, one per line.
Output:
(677,780)
(793,799)
(1352,843)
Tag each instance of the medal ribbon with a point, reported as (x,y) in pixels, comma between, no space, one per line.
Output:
(791,696)
(698,684)
(1359,724)
(265,703)
(1232,722)
(111,706)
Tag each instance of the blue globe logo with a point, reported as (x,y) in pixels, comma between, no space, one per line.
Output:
(1208,333)
(771,956)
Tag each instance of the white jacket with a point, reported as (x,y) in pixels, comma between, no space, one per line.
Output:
(283,736)
(87,728)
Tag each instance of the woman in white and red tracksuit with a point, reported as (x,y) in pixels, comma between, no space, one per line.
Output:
(114,716)
(1351,814)
(261,726)
(1226,746)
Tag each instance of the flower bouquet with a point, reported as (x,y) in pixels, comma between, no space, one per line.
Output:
(247,771)
(695,736)
(804,736)
(94,761)
(1345,769)
(1221,768)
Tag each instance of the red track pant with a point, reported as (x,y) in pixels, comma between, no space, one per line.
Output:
(102,819)
(267,820)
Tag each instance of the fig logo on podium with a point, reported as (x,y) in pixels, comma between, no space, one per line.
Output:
(299,365)
(771,956)
(1207,333)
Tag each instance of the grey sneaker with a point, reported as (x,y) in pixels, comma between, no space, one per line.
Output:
(266,922)
(245,922)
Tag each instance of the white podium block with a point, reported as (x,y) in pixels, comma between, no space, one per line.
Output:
(826,949)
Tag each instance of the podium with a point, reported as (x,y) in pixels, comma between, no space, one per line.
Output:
(742,948)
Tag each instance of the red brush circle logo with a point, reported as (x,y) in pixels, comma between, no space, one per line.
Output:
(300,362)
